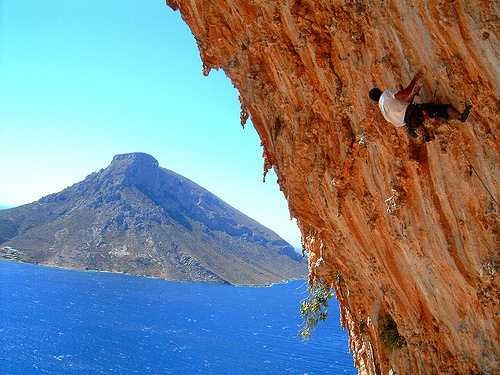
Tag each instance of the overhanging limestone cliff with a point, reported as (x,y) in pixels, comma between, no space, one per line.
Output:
(412,227)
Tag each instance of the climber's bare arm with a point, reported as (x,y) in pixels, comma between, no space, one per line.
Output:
(407,92)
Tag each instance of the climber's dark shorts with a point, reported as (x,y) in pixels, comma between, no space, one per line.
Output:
(417,113)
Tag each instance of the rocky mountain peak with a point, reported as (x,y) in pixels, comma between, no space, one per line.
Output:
(134,169)
(134,158)
(138,218)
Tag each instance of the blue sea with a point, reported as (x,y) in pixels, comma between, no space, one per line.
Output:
(55,321)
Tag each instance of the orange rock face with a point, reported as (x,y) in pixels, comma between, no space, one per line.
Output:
(407,232)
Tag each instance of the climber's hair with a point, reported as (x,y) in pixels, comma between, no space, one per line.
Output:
(375,94)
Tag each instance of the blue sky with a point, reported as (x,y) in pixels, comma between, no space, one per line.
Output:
(82,81)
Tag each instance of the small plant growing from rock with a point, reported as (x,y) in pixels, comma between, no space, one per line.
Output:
(314,308)
(389,333)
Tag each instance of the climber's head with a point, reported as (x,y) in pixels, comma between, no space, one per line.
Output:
(375,94)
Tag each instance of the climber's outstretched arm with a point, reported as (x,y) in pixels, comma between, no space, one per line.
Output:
(408,91)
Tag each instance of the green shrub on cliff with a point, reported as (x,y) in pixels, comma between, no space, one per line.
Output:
(389,333)
(314,308)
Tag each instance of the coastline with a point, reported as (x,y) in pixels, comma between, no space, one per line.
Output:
(267,285)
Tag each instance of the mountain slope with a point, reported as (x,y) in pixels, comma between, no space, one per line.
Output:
(138,218)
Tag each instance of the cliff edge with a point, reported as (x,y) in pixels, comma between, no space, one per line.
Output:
(407,231)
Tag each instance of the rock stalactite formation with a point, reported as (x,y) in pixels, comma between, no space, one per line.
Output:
(407,232)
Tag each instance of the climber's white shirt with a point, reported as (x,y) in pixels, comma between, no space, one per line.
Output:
(392,108)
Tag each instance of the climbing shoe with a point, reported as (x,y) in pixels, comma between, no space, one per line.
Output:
(465,114)
(411,132)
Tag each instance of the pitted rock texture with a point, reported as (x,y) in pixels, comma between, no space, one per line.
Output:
(412,227)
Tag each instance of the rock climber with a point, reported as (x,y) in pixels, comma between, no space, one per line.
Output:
(399,109)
